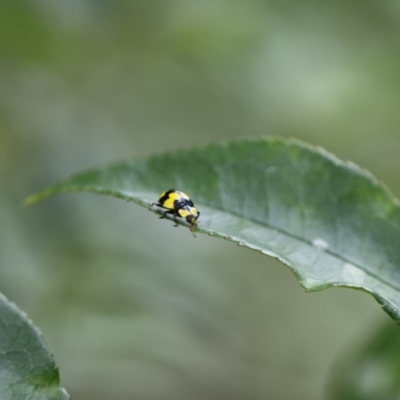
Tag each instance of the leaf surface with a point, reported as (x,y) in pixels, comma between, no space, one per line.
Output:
(27,369)
(329,220)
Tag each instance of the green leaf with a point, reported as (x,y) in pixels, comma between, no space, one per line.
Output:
(371,372)
(330,221)
(27,369)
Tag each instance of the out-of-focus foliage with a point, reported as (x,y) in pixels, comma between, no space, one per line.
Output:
(131,306)
(373,371)
(27,369)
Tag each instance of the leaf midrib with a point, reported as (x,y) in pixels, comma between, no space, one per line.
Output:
(310,244)
(121,194)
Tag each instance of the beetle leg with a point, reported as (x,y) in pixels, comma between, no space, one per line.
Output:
(167,212)
(164,215)
(174,215)
(151,205)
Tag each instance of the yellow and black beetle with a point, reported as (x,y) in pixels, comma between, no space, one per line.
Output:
(178,204)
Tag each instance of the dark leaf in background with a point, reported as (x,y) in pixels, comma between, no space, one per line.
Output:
(27,369)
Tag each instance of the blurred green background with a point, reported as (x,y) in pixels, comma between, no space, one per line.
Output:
(131,307)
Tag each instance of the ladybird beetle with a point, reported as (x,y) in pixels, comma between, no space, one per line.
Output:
(178,204)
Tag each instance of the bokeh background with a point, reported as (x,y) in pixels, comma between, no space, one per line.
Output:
(131,307)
